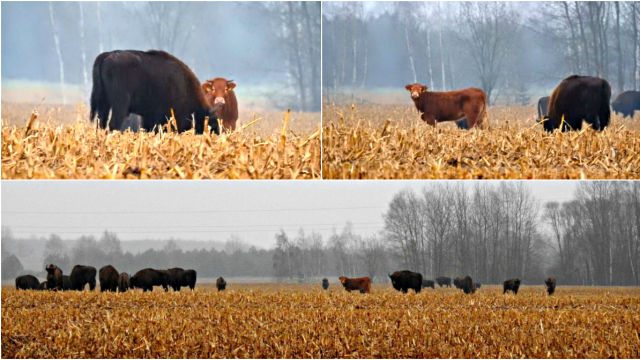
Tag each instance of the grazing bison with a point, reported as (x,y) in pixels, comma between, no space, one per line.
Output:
(626,103)
(470,103)
(511,285)
(551,285)
(325,283)
(109,277)
(543,107)
(579,98)
(66,283)
(220,95)
(189,278)
(443,281)
(405,280)
(82,275)
(151,84)
(467,285)
(123,282)
(146,279)
(428,283)
(54,277)
(27,282)
(179,277)
(221,284)
(362,284)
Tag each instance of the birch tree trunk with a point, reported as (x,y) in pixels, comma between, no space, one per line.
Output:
(429,66)
(56,41)
(444,78)
(83,53)
(99,18)
(412,65)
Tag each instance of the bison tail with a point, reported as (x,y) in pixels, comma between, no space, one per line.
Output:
(99,104)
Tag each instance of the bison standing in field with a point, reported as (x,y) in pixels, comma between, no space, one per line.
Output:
(109,277)
(428,283)
(405,280)
(82,275)
(467,285)
(511,285)
(146,279)
(325,283)
(626,103)
(470,103)
(551,285)
(179,277)
(27,282)
(443,281)
(123,282)
(362,284)
(153,84)
(579,98)
(189,278)
(54,277)
(221,284)
(220,95)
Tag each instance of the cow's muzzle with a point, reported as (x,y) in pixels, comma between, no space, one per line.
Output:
(415,95)
(218,101)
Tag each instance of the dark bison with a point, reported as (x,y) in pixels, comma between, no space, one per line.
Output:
(443,281)
(220,95)
(405,280)
(123,282)
(467,285)
(579,98)
(428,283)
(146,279)
(511,285)
(152,84)
(362,284)
(82,275)
(626,103)
(109,277)
(54,277)
(470,103)
(543,107)
(66,282)
(325,283)
(551,285)
(179,277)
(221,284)
(189,278)
(27,282)
(457,282)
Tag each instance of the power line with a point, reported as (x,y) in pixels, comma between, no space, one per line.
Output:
(129,212)
(103,227)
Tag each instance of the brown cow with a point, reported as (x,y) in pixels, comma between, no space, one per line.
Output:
(219,93)
(470,103)
(363,284)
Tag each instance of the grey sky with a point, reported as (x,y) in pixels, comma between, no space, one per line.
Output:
(209,210)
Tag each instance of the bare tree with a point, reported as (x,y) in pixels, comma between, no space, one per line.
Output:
(56,42)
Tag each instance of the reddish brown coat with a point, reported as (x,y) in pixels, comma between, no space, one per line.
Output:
(363,284)
(220,95)
(450,105)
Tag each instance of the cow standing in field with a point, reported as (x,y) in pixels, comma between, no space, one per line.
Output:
(626,103)
(579,98)
(152,84)
(221,96)
(443,281)
(362,284)
(405,280)
(470,103)
(551,285)
(511,285)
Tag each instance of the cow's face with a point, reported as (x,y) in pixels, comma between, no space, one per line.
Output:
(217,89)
(416,89)
(343,280)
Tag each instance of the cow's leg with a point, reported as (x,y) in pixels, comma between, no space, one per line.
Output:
(428,118)
(472,117)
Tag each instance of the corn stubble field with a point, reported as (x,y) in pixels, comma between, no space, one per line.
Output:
(302,321)
(61,143)
(369,141)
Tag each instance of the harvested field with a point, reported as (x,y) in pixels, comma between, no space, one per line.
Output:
(391,142)
(60,143)
(301,321)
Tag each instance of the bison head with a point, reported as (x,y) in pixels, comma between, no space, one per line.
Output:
(50,268)
(416,89)
(216,90)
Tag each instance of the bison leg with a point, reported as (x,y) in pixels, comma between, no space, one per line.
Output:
(605,115)
(120,111)
(103,118)
(92,285)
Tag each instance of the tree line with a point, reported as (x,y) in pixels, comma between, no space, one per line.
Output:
(504,48)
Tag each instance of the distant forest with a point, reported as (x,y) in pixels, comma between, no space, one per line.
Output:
(491,232)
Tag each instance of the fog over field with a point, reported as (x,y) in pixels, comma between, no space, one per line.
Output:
(45,44)
(515,51)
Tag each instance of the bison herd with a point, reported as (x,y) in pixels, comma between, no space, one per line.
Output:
(406,280)
(112,280)
(575,100)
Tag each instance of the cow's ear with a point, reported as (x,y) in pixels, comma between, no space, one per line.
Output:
(231,85)
(408,87)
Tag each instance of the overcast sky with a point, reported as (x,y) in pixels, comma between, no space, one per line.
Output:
(209,210)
